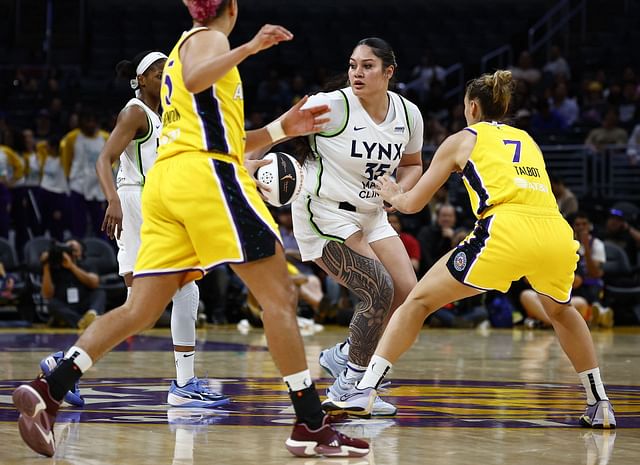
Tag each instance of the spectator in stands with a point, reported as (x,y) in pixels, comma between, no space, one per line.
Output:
(434,132)
(628,105)
(273,95)
(593,103)
(565,106)
(70,286)
(423,76)
(26,211)
(547,120)
(6,134)
(408,240)
(557,66)
(525,70)
(54,189)
(567,201)
(43,125)
(633,145)
(522,120)
(610,133)
(79,151)
(439,238)
(10,172)
(620,232)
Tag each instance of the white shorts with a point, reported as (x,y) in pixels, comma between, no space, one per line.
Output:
(129,242)
(317,221)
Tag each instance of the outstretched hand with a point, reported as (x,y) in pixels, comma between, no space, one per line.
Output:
(268,36)
(298,122)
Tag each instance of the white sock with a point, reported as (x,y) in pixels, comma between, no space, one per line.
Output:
(298,381)
(593,385)
(377,369)
(79,357)
(128,292)
(344,348)
(355,371)
(184,366)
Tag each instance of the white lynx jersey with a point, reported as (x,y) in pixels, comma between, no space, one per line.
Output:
(354,150)
(140,154)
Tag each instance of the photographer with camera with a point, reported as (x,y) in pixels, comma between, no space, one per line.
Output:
(70,287)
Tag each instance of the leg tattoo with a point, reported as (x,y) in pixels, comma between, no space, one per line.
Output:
(371,282)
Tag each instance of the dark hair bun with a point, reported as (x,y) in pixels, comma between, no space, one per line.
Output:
(126,69)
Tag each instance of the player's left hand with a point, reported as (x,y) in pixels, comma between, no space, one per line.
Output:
(388,189)
(297,122)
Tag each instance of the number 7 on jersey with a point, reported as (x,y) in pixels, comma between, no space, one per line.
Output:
(516,153)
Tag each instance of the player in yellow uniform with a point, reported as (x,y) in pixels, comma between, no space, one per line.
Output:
(519,232)
(201,208)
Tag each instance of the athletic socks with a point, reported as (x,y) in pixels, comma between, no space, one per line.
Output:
(305,399)
(593,385)
(63,377)
(376,371)
(355,371)
(184,367)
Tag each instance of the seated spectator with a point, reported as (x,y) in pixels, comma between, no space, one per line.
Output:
(439,238)
(593,104)
(423,76)
(7,284)
(410,243)
(633,145)
(565,106)
(567,201)
(547,120)
(525,70)
(70,286)
(557,66)
(620,232)
(610,133)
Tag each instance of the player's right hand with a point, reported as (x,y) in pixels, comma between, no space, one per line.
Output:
(268,36)
(252,167)
(112,222)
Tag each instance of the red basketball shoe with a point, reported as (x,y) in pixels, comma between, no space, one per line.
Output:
(38,412)
(327,441)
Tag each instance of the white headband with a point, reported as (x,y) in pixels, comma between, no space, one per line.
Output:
(144,64)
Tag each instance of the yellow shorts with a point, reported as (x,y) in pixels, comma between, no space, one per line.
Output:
(199,212)
(513,241)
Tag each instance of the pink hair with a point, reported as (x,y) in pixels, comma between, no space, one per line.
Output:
(203,9)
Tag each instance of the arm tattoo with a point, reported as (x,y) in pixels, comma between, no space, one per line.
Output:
(373,285)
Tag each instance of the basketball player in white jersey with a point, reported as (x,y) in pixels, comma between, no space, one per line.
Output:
(339,220)
(134,141)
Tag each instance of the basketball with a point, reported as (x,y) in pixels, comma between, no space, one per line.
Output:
(284,176)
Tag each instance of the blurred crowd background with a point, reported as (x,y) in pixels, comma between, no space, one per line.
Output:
(577,68)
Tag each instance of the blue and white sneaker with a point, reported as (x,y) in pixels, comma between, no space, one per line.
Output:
(47,365)
(333,360)
(343,389)
(196,393)
(599,416)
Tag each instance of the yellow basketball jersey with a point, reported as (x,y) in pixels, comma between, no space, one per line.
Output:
(505,166)
(211,121)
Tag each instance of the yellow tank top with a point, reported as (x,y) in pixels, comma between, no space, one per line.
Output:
(505,166)
(211,121)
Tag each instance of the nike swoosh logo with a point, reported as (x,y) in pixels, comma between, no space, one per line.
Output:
(46,435)
(157,127)
(355,128)
(345,397)
(188,355)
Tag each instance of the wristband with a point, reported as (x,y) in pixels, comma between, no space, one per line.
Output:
(276,132)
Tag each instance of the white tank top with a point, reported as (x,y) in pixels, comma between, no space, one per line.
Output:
(357,150)
(53,178)
(140,154)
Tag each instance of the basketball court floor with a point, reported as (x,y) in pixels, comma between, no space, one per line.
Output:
(465,397)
